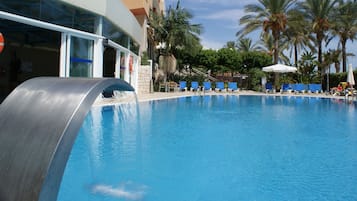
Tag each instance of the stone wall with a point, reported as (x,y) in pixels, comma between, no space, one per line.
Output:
(144,79)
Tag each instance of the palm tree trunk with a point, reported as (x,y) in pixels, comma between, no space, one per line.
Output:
(276,48)
(319,57)
(344,55)
(296,55)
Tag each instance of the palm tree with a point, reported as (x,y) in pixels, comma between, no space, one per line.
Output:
(297,35)
(306,68)
(317,14)
(246,45)
(174,30)
(181,33)
(345,25)
(266,44)
(230,44)
(271,16)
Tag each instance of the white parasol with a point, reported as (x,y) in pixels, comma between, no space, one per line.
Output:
(350,77)
(280,68)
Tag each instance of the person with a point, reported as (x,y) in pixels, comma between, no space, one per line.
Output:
(339,88)
(337,91)
(350,91)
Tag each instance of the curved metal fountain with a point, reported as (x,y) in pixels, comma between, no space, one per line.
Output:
(39,122)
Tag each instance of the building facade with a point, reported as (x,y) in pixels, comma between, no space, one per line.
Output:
(141,9)
(69,38)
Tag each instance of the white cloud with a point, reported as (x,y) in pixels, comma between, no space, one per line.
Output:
(210,44)
(223,2)
(228,14)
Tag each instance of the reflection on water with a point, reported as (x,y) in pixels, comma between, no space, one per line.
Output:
(126,190)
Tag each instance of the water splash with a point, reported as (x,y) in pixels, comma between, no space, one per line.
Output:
(126,191)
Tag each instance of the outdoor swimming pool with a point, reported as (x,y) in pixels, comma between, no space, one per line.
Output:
(216,148)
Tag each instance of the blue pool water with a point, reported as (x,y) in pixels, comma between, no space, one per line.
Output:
(219,148)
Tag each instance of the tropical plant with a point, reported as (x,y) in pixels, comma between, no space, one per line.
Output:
(318,13)
(208,59)
(345,25)
(333,57)
(229,59)
(270,16)
(255,59)
(230,44)
(246,45)
(144,58)
(255,75)
(297,35)
(306,68)
(267,45)
(174,30)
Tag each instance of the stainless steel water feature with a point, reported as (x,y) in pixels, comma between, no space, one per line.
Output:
(39,122)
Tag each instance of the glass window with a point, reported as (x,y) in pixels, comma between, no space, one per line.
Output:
(52,11)
(81,60)
(122,65)
(134,47)
(115,34)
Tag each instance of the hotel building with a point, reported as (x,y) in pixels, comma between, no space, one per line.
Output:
(73,38)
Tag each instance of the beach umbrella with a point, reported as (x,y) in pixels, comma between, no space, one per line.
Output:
(280,68)
(350,77)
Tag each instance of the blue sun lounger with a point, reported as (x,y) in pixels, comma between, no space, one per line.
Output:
(268,87)
(315,88)
(207,86)
(194,86)
(232,86)
(220,86)
(182,86)
(286,88)
(299,88)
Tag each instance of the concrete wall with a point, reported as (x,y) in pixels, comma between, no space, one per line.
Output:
(139,7)
(144,79)
(116,12)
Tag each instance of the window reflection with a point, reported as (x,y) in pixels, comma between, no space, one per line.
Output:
(81,60)
(52,11)
(114,33)
(57,12)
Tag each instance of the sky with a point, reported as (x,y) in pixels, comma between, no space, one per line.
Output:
(220,21)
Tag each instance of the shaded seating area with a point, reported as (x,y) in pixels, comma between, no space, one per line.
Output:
(269,87)
(232,86)
(286,88)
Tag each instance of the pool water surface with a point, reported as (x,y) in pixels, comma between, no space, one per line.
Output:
(216,148)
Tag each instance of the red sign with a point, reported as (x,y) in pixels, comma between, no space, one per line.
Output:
(2,42)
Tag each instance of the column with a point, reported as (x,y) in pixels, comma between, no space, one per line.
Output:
(98,58)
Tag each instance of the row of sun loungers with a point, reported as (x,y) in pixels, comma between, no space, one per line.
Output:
(296,88)
(207,86)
